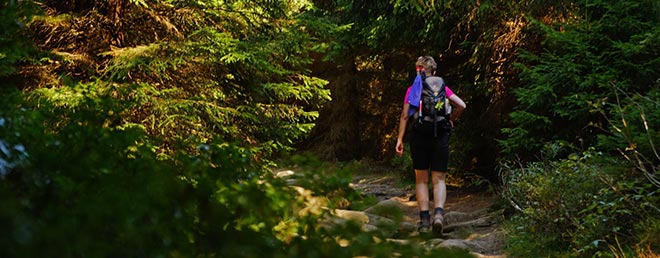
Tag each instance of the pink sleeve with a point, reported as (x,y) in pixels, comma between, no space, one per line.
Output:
(405,99)
(448,92)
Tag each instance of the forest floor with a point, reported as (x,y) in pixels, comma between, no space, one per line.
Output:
(472,219)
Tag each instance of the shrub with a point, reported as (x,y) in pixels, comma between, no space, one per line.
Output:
(74,184)
(577,204)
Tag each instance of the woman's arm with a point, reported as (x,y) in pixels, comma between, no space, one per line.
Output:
(459,106)
(403,121)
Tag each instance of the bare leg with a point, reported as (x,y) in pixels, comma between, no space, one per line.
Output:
(422,189)
(439,197)
(439,189)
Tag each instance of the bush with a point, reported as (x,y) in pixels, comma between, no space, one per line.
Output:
(74,184)
(577,204)
(634,120)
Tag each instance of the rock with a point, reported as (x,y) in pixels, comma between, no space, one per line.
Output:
(454,217)
(433,243)
(369,222)
(478,222)
(407,228)
(470,224)
(489,243)
(478,255)
(391,208)
(284,173)
(453,243)
(357,216)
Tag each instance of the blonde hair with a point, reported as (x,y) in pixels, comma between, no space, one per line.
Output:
(427,62)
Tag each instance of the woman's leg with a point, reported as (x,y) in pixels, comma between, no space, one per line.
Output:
(439,189)
(422,189)
(439,197)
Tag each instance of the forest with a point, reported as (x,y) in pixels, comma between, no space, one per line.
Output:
(151,128)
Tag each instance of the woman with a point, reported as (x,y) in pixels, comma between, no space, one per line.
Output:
(429,147)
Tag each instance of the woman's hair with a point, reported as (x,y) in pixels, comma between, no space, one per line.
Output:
(427,62)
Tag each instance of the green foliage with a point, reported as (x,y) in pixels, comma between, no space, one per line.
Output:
(523,242)
(155,146)
(106,189)
(633,126)
(593,86)
(14,45)
(233,71)
(649,231)
(603,42)
(160,152)
(578,204)
(404,164)
(634,120)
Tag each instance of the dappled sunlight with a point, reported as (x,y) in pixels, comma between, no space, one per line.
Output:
(267,128)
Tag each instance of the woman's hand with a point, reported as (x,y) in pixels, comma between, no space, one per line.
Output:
(399,148)
(403,121)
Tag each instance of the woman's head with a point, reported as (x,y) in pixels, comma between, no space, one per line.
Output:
(427,63)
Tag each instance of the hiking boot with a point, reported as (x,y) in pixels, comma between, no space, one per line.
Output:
(424,226)
(438,221)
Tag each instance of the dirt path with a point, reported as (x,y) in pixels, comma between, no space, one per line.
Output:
(471,221)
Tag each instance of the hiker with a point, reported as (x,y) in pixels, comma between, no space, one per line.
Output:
(429,144)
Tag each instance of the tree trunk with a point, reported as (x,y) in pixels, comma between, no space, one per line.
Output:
(337,133)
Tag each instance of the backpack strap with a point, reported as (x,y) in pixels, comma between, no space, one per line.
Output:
(422,83)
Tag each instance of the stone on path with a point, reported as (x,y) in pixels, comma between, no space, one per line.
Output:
(460,230)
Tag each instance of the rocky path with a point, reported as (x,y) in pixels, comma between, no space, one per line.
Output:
(471,221)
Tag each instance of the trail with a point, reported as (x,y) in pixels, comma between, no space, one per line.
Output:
(471,222)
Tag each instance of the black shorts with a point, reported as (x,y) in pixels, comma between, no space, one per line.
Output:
(428,150)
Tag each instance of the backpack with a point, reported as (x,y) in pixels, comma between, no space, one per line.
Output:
(434,105)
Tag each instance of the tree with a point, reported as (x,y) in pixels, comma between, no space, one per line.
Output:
(235,71)
(151,142)
(603,42)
